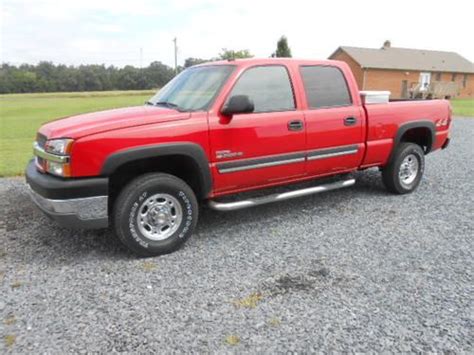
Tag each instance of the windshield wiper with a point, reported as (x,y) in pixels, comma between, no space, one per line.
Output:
(167,104)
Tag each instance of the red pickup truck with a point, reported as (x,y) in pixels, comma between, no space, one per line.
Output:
(222,128)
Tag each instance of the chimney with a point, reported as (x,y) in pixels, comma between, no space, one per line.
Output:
(386,44)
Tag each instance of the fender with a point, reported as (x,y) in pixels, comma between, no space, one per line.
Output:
(191,150)
(416,124)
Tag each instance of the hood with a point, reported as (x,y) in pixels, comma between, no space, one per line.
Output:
(91,123)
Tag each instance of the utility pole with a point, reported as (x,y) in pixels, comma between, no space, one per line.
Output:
(141,58)
(175,40)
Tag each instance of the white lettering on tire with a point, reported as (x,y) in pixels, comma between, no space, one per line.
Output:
(189,210)
(131,223)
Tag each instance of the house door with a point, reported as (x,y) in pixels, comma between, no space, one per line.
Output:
(425,79)
(404,92)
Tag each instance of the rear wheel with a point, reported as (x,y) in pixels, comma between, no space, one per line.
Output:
(155,214)
(405,170)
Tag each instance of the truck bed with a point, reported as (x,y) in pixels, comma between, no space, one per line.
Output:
(384,122)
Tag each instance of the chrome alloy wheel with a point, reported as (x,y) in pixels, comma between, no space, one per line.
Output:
(159,216)
(408,169)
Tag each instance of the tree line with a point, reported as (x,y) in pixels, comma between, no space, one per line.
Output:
(49,77)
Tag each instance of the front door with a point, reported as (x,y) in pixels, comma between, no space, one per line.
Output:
(262,147)
(404,91)
(425,79)
(334,123)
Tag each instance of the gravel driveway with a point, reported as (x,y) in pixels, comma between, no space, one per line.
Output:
(355,269)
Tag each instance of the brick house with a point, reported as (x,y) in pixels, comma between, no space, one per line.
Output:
(409,72)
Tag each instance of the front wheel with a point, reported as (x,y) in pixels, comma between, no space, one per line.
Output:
(155,214)
(405,170)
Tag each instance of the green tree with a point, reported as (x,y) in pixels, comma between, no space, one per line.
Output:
(227,54)
(189,62)
(156,75)
(24,81)
(283,50)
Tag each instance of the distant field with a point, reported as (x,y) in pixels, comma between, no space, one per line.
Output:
(22,114)
(463,107)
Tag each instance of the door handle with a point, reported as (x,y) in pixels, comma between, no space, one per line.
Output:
(350,121)
(296,125)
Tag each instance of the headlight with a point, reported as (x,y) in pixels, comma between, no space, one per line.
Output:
(58,146)
(54,158)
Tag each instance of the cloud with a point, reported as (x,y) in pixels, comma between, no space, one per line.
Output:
(114,31)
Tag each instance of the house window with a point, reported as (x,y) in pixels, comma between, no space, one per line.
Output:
(438,77)
(464,81)
(453,77)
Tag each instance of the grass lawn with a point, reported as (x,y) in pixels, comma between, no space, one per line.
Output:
(22,114)
(463,107)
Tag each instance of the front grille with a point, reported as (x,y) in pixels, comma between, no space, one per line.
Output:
(41,140)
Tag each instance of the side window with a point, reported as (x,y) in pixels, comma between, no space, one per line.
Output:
(268,87)
(325,87)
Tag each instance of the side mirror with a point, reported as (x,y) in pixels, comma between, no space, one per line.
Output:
(238,104)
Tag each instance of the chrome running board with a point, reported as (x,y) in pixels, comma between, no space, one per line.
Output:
(231,206)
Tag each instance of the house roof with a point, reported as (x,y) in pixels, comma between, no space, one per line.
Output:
(408,59)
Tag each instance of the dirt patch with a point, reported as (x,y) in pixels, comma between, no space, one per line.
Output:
(302,282)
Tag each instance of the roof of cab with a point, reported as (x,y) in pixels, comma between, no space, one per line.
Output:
(247,62)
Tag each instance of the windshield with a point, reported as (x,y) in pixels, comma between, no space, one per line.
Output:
(193,89)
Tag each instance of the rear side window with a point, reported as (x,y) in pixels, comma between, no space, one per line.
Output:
(325,87)
(268,87)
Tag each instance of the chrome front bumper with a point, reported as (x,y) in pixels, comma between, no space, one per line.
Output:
(73,203)
(85,213)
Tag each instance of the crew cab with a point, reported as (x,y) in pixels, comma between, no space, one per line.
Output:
(219,129)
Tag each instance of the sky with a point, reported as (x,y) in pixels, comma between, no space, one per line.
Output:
(137,32)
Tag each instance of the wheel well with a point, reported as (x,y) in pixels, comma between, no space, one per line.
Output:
(181,166)
(419,135)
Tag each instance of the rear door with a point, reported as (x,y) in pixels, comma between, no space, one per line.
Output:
(334,121)
(262,147)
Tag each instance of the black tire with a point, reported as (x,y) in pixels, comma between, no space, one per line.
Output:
(131,202)
(391,173)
